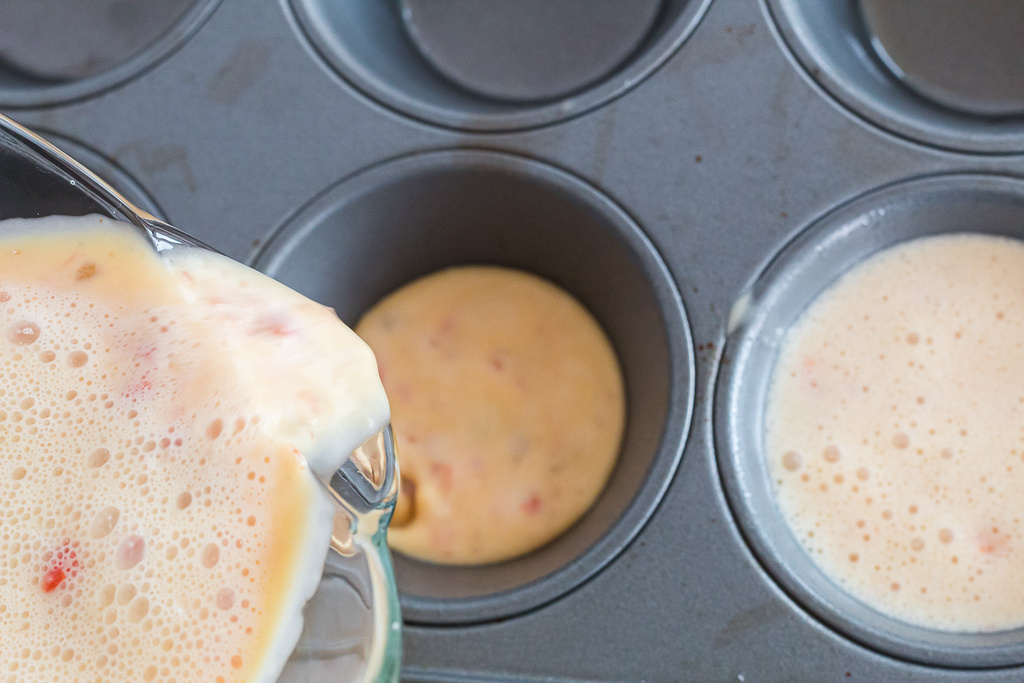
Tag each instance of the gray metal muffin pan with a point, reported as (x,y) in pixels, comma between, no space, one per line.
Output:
(687,173)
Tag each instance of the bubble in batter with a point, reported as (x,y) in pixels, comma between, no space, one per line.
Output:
(508,408)
(907,374)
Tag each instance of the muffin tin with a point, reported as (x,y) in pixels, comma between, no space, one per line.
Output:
(711,171)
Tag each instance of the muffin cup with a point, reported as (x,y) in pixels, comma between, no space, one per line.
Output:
(921,42)
(834,44)
(383,227)
(790,282)
(443,62)
(134,39)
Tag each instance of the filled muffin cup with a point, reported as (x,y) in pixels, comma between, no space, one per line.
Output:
(788,283)
(388,225)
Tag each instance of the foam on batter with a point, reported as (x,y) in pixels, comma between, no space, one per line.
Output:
(895,432)
(158,517)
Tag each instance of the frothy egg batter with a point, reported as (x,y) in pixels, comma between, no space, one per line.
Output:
(162,422)
(895,432)
(509,409)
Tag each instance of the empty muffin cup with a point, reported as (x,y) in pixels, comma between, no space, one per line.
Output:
(773,303)
(945,73)
(383,227)
(922,43)
(56,51)
(488,66)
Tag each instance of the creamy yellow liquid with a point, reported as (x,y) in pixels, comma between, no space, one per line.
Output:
(161,422)
(895,432)
(508,409)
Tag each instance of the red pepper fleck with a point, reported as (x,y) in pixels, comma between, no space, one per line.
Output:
(443,474)
(531,505)
(148,353)
(276,324)
(53,578)
(64,565)
(447,326)
(140,387)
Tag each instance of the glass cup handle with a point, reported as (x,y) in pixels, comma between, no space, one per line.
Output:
(364,491)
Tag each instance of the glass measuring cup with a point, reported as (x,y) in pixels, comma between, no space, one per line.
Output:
(351,630)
